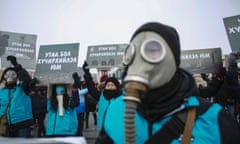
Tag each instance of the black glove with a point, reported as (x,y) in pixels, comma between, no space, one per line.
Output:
(33,83)
(14,62)
(85,67)
(75,76)
(12,59)
(76,79)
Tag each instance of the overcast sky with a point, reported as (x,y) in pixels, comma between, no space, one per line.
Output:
(96,22)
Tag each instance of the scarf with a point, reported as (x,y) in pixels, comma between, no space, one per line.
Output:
(161,101)
(109,94)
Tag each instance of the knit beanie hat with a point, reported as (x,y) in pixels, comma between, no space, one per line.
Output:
(168,33)
(113,80)
(103,78)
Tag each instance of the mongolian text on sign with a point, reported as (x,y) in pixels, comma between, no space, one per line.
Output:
(56,63)
(105,56)
(232,26)
(22,46)
(201,60)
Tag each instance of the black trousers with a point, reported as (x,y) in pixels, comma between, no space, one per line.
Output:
(80,124)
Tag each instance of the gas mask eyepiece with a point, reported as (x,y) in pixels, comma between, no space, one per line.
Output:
(151,50)
(128,55)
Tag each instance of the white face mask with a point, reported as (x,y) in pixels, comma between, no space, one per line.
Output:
(10,76)
(150,60)
(60,105)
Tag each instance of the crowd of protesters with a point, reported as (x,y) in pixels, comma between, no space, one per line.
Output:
(222,87)
(49,106)
(60,110)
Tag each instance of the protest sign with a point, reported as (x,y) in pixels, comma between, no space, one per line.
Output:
(201,60)
(105,56)
(56,63)
(20,45)
(232,26)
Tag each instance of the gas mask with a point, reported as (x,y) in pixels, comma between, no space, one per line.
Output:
(150,60)
(10,77)
(150,64)
(60,91)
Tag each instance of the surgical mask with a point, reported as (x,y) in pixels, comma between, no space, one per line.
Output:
(10,77)
(60,90)
(150,60)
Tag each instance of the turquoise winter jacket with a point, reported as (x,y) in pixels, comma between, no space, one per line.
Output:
(20,110)
(208,121)
(103,105)
(61,125)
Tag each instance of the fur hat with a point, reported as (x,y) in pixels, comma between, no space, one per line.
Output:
(168,33)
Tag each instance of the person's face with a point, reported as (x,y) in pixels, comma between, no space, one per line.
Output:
(110,86)
(10,76)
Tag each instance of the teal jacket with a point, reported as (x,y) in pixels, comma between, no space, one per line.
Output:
(103,105)
(206,128)
(61,125)
(20,110)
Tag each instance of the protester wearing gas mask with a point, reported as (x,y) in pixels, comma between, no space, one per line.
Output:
(61,113)
(15,101)
(161,104)
(109,91)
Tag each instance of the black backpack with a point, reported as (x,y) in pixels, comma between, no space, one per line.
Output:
(91,102)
